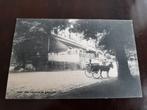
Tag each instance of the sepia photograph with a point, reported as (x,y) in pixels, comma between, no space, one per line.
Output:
(73,59)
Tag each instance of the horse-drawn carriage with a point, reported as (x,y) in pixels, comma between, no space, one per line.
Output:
(95,69)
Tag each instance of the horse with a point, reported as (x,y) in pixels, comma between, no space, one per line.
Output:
(105,68)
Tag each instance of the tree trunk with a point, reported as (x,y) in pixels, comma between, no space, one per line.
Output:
(123,68)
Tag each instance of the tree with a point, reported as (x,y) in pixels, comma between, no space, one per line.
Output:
(31,40)
(119,37)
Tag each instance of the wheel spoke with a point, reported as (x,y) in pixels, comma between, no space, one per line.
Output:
(96,75)
(88,73)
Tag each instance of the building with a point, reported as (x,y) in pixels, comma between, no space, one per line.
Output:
(66,53)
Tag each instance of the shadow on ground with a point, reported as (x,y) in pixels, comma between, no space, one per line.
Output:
(117,88)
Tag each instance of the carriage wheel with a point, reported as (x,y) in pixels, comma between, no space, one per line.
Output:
(88,73)
(96,75)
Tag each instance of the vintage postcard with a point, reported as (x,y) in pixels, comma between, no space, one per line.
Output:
(73,59)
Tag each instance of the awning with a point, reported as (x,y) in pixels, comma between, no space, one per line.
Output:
(56,46)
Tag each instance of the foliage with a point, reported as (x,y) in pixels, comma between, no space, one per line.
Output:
(119,37)
(31,40)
